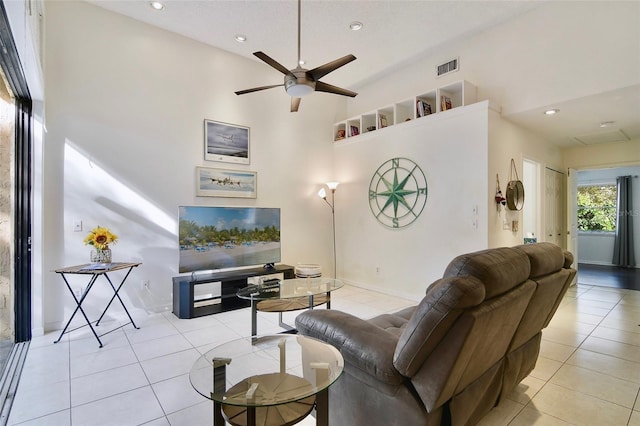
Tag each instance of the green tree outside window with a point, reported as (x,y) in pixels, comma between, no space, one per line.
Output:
(597,209)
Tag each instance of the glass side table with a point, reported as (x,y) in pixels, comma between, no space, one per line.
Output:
(288,295)
(268,380)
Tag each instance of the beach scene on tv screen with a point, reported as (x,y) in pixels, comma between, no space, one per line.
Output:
(227,237)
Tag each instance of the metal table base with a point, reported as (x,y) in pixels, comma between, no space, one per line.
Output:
(90,270)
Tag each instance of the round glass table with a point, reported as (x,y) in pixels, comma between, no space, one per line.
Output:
(288,295)
(268,380)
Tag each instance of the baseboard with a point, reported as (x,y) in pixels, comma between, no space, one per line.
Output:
(596,263)
(384,290)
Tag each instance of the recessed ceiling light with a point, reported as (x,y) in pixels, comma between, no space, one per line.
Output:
(551,111)
(355,25)
(156,5)
(607,123)
(240,38)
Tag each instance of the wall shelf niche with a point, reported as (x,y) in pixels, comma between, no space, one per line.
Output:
(435,101)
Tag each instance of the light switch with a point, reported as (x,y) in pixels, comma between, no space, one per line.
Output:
(77,226)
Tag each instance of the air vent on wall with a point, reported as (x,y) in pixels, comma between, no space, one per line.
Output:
(447,67)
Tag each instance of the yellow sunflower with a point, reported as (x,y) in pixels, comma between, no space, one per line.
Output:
(100,238)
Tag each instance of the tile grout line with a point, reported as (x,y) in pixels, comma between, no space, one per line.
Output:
(548,381)
(580,347)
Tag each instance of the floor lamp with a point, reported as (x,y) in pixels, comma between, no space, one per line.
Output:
(323,194)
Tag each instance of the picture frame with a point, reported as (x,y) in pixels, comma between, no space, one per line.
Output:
(212,182)
(226,142)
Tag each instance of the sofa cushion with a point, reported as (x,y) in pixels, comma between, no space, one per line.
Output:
(362,344)
(500,269)
(568,259)
(406,313)
(476,341)
(544,258)
(433,317)
(390,323)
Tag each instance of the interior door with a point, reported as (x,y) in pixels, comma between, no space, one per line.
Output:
(549,217)
(555,217)
(531,214)
(572,215)
(560,232)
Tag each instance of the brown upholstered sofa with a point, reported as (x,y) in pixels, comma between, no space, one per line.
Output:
(450,359)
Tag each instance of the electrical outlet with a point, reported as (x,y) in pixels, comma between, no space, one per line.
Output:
(77,226)
(145,284)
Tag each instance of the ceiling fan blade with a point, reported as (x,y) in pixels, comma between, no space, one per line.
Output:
(319,72)
(324,87)
(295,104)
(255,89)
(264,57)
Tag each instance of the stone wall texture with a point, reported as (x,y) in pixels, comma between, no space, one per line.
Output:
(7,183)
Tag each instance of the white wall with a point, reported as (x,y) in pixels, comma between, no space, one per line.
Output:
(451,149)
(125,105)
(487,60)
(597,248)
(619,154)
(125,108)
(508,141)
(581,38)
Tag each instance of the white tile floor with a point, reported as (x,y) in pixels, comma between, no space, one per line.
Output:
(588,372)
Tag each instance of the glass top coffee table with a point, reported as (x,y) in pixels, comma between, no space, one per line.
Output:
(288,295)
(268,380)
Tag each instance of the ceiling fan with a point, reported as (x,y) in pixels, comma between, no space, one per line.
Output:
(299,81)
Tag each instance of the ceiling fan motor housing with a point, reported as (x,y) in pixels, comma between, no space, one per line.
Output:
(298,84)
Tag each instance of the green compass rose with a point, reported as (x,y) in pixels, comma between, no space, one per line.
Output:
(397,192)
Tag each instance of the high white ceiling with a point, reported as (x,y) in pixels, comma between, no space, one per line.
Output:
(394,33)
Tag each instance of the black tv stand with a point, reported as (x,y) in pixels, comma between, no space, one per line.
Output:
(185,306)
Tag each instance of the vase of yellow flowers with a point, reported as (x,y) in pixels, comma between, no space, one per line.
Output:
(100,238)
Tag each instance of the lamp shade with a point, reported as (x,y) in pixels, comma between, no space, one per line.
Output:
(322,193)
(333,185)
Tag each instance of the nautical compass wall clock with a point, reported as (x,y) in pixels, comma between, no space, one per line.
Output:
(397,192)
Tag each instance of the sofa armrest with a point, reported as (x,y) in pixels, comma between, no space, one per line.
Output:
(363,345)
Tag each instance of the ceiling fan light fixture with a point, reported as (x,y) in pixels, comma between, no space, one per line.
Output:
(300,82)
(299,90)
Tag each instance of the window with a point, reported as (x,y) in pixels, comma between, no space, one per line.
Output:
(597,209)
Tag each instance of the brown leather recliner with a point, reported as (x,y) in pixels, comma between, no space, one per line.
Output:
(473,337)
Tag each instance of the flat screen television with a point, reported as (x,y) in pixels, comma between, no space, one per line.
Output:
(227,237)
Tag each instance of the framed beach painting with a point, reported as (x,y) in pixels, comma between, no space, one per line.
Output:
(228,143)
(226,183)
